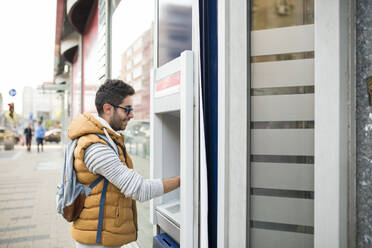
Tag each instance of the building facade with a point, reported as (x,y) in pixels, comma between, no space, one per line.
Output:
(41,104)
(2,115)
(28,102)
(285,87)
(137,61)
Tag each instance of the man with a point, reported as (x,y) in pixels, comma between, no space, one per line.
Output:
(28,136)
(93,157)
(40,135)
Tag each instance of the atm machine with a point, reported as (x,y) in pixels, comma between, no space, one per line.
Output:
(172,146)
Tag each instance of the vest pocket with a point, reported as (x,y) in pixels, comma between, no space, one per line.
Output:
(121,212)
(118,215)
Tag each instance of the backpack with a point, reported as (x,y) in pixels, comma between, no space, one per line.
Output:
(71,193)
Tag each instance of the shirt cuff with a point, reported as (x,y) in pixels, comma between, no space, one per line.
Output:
(158,189)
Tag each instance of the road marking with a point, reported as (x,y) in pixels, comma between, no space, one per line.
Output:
(24,239)
(23,207)
(21,217)
(19,192)
(15,228)
(49,165)
(21,199)
(16,156)
(18,182)
(17,186)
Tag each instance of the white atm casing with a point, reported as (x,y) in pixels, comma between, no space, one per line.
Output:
(172,145)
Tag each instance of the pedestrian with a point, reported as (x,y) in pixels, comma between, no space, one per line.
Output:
(40,135)
(28,136)
(93,157)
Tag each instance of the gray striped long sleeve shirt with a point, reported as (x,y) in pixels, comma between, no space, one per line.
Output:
(101,159)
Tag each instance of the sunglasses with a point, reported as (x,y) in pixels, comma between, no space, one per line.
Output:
(127,109)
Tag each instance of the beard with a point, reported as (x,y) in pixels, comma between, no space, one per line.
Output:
(116,122)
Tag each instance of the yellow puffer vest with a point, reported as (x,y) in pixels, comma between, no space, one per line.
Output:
(120,214)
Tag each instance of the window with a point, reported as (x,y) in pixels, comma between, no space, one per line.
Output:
(138,58)
(129,53)
(138,44)
(129,65)
(137,85)
(137,72)
(136,100)
(132,29)
(129,77)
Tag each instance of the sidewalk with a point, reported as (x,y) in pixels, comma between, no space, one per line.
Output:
(27,199)
(28,217)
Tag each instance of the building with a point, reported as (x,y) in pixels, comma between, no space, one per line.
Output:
(41,104)
(2,116)
(89,66)
(285,91)
(28,103)
(1,104)
(137,62)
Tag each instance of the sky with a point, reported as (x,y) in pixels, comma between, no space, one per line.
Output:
(26,46)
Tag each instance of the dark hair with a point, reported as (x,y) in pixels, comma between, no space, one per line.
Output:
(113,91)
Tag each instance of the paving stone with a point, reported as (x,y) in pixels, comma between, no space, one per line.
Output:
(27,201)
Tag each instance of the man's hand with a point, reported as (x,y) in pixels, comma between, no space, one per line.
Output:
(170,184)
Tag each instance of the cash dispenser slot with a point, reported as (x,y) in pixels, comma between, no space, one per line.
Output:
(168,212)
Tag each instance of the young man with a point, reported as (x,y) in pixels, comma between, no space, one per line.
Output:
(40,135)
(93,157)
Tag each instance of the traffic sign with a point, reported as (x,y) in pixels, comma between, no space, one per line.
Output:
(12,92)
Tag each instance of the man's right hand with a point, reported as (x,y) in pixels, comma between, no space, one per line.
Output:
(170,184)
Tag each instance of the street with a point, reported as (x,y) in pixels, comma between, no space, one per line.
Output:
(28,216)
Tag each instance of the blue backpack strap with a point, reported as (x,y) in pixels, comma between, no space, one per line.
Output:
(96,182)
(103,195)
(109,143)
(117,148)
(100,217)
(101,206)
(101,203)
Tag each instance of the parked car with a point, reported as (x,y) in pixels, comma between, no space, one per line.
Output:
(7,134)
(137,137)
(53,135)
(137,130)
(16,136)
